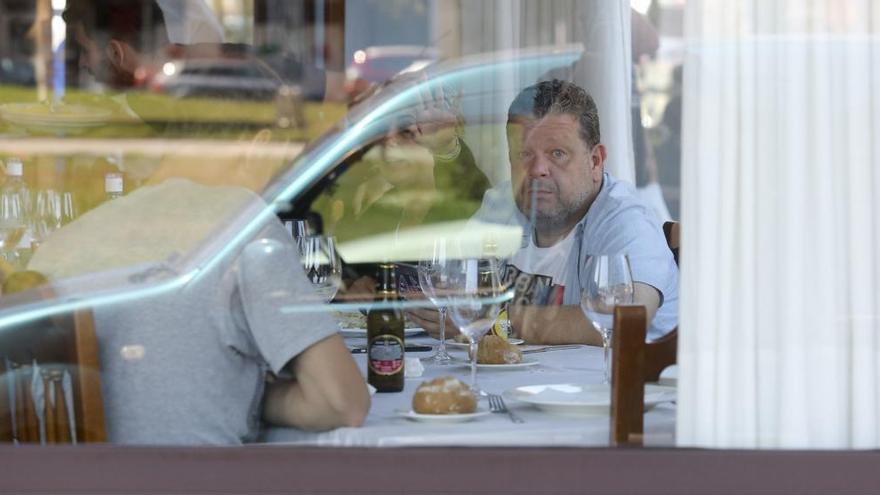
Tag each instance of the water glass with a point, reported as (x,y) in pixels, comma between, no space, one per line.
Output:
(608,284)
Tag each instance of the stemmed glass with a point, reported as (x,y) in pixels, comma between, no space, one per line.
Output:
(69,210)
(13,223)
(434,282)
(608,284)
(321,263)
(46,217)
(477,294)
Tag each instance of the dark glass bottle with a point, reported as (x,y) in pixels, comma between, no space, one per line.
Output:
(385,344)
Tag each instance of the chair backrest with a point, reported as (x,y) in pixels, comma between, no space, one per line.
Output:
(63,403)
(635,362)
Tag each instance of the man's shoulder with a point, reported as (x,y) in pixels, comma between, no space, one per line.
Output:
(618,204)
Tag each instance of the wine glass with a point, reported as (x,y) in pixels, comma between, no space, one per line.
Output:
(46,217)
(69,210)
(434,282)
(321,263)
(608,284)
(13,223)
(476,297)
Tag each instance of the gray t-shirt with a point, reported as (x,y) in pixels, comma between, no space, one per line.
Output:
(617,222)
(187,365)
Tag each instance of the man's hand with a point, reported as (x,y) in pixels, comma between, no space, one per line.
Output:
(429,319)
(362,289)
(437,124)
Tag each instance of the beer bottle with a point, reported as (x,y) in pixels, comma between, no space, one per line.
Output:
(385,344)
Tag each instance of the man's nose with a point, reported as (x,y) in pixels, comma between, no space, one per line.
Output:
(538,166)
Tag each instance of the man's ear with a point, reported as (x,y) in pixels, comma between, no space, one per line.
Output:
(597,161)
(122,56)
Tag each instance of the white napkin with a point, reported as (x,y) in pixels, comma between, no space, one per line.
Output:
(412,367)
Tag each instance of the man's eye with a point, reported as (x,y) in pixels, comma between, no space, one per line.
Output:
(524,155)
(558,154)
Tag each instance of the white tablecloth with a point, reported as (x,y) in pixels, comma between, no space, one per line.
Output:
(384,428)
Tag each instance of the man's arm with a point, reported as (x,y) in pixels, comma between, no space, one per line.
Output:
(568,324)
(328,390)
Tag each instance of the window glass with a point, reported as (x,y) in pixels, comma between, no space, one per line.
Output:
(225,195)
(220,219)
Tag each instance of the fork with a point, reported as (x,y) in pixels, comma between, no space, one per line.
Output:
(496,404)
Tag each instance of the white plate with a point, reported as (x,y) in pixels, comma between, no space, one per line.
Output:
(64,117)
(362,332)
(459,345)
(572,398)
(515,366)
(442,418)
(669,376)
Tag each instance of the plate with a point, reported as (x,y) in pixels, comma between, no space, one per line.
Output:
(452,344)
(362,332)
(526,363)
(669,377)
(63,117)
(573,398)
(442,418)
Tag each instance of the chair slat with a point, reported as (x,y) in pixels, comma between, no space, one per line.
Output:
(49,419)
(628,391)
(5,404)
(29,431)
(62,421)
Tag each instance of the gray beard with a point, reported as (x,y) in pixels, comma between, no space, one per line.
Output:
(561,217)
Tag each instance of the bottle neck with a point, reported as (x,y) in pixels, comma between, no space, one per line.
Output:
(386,282)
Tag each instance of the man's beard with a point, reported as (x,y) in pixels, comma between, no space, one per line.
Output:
(556,217)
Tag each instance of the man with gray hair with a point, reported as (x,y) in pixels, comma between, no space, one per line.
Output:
(569,208)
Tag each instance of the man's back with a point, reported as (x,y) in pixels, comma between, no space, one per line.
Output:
(186,364)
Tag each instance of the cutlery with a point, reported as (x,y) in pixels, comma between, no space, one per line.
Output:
(553,348)
(496,404)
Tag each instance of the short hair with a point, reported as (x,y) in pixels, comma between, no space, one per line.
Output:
(125,20)
(558,97)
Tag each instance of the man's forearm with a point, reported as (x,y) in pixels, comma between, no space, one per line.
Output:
(288,404)
(553,325)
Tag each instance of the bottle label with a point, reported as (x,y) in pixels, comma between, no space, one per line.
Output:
(113,183)
(385,355)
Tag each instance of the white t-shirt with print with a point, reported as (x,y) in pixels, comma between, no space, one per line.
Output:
(539,272)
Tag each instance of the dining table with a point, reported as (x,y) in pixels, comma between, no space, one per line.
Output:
(387,424)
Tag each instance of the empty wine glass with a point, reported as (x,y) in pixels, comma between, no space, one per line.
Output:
(69,210)
(608,284)
(434,282)
(46,217)
(322,265)
(476,297)
(13,223)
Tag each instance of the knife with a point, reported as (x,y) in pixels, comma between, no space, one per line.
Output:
(553,348)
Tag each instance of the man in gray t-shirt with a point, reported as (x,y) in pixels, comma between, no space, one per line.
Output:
(558,163)
(201,320)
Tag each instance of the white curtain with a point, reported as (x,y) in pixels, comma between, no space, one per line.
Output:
(780,288)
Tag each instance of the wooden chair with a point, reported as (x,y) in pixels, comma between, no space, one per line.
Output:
(635,362)
(61,345)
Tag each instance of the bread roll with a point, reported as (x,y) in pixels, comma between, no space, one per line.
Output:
(495,350)
(444,395)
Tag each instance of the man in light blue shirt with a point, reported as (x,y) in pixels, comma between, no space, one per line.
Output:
(558,163)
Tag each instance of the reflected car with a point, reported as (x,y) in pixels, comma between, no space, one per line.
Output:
(322,183)
(378,64)
(229,78)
